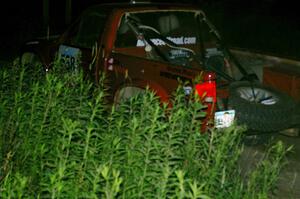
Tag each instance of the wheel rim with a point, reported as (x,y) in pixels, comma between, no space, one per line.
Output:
(258,95)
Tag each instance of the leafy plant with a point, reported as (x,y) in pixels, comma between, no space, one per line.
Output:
(61,139)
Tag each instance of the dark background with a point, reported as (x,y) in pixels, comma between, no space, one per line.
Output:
(267,25)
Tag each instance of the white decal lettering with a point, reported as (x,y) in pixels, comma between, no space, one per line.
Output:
(177,40)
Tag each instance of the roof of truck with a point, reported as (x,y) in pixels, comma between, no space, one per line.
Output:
(138,5)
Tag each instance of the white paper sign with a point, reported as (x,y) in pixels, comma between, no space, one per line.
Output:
(224,119)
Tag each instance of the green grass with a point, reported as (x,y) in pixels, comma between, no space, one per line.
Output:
(60,139)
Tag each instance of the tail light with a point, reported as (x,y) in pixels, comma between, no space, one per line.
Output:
(207,90)
(207,93)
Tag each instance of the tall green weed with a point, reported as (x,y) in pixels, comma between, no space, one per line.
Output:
(60,139)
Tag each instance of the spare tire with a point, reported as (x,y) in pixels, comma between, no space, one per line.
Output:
(259,107)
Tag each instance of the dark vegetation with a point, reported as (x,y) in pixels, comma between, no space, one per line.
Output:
(61,139)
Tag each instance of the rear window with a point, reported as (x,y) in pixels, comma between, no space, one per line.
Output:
(178,26)
(176,37)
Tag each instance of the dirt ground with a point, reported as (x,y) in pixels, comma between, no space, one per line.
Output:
(288,184)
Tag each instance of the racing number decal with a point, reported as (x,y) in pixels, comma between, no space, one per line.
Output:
(68,60)
(69,57)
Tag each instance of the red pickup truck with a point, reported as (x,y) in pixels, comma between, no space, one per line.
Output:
(141,45)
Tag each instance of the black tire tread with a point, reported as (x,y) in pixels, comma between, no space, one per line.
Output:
(260,117)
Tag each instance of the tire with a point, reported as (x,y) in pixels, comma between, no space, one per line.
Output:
(125,93)
(269,111)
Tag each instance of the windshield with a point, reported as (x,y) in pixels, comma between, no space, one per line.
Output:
(172,36)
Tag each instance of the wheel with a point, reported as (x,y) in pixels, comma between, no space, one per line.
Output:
(32,63)
(259,107)
(126,93)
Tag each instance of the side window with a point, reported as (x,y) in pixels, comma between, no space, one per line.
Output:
(89,31)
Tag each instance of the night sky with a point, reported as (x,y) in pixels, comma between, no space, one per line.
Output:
(23,20)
